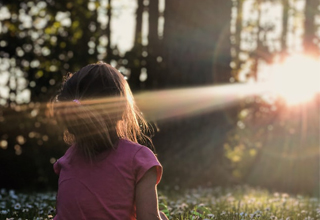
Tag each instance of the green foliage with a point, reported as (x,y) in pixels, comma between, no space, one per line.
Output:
(244,143)
(239,203)
(50,39)
(273,143)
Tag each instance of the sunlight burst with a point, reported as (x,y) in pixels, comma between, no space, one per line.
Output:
(296,80)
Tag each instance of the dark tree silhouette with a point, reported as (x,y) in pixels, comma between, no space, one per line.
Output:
(135,55)
(311,10)
(285,12)
(153,47)
(237,39)
(193,42)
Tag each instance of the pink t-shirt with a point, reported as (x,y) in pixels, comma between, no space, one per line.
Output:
(104,188)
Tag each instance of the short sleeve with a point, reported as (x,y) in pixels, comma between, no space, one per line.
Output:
(143,160)
(56,167)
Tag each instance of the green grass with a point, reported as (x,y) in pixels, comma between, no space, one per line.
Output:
(236,203)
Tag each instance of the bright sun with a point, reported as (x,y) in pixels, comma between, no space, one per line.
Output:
(296,80)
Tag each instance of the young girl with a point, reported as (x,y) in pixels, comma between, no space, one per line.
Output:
(105,173)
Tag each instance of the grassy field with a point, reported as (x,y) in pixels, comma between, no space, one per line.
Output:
(203,203)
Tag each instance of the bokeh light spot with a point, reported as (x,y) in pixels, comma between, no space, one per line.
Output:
(3,144)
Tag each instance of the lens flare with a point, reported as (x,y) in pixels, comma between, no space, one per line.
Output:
(296,80)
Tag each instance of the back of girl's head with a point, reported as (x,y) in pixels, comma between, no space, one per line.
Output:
(96,108)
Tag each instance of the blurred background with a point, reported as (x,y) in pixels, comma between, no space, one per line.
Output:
(231,86)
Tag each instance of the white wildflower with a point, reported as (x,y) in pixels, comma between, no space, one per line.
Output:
(11,192)
(252,215)
(285,195)
(29,206)
(17,206)
(4,212)
(210,215)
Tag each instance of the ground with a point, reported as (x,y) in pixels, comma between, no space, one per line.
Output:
(240,202)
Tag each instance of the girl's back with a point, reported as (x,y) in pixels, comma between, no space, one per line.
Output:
(104,188)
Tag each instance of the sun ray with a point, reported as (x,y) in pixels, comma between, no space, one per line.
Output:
(296,80)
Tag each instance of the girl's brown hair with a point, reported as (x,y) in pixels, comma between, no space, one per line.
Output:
(96,108)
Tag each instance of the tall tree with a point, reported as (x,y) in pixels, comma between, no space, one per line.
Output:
(311,9)
(135,55)
(153,46)
(285,13)
(237,39)
(193,42)
(108,32)
(196,52)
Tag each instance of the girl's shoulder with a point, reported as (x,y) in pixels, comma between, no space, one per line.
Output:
(130,146)
(132,149)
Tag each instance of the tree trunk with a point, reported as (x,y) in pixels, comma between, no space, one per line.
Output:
(196,42)
(134,56)
(310,29)
(237,37)
(284,49)
(108,32)
(259,46)
(153,45)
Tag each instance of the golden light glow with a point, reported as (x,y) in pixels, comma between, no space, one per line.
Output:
(296,80)
(164,104)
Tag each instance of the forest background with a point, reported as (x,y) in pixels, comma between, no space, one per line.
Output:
(186,50)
